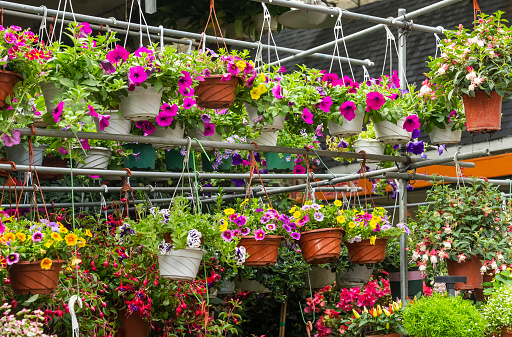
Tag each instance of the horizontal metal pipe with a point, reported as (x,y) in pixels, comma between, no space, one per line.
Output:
(156,30)
(214,145)
(416,176)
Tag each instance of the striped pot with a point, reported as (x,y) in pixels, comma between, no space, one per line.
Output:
(198,134)
(446,135)
(277,125)
(212,93)
(370,146)
(390,133)
(180,264)
(141,104)
(262,253)
(49,91)
(266,138)
(177,133)
(20,156)
(97,158)
(117,125)
(321,246)
(7,81)
(363,252)
(348,129)
(29,278)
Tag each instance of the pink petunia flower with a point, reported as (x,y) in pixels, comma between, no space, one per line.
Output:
(348,110)
(374,101)
(325,104)
(103,121)
(299,169)
(172,110)
(13,139)
(164,119)
(85,144)
(412,123)
(185,80)
(307,116)
(57,112)
(117,55)
(259,234)
(137,75)
(188,103)
(209,129)
(277,91)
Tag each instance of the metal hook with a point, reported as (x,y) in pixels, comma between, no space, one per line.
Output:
(189,50)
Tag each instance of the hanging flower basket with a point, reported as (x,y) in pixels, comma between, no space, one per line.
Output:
(177,133)
(141,104)
(390,133)
(20,156)
(252,286)
(370,146)
(143,157)
(320,278)
(357,274)
(278,163)
(29,278)
(266,138)
(321,245)
(483,113)
(117,125)
(49,91)
(348,129)
(7,81)
(363,252)
(252,113)
(445,136)
(97,158)
(212,93)
(262,253)
(470,268)
(132,326)
(180,264)
(198,134)
(53,162)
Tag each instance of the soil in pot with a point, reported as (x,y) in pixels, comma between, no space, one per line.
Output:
(262,253)
(7,81)
(143,156)
(469,268)
(363,252)
(212,93)
(29,278)
(321,245)
(483,113)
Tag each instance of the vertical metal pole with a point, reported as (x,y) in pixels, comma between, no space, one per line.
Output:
(402,192)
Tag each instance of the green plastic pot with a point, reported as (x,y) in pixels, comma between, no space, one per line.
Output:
(414,284)
(174,160)
(225,166)
(276,163)
(146,157)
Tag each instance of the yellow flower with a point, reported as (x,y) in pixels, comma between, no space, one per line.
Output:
(244,202)
(387,325)
(341,219)
(241,65)
(74,261)
(374,222)
(293,209)
(263,78)
(56,236)
(372,240)
(46,263)
(48,243)
(82,242)
(224,226)
(296,214)
(351,224)
(337,203)
(71,239)
(262,88)
(356,315)
(255,93)
(9,236)
(63,229)
(386,312)
(88,233)
(229,211)
(21,236)
(379,310)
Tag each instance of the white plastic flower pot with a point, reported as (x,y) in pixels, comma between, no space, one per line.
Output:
(267,138)
(177,133)
(252,112)
(348,129)
(390,133)
(97,158)
(180,264)
(446,136)
(358,275)
(141,104)
(198,134)
(49,92)
(226,287)
(370,146)
(117,125)
(253,286)
(20,156)
(320,277)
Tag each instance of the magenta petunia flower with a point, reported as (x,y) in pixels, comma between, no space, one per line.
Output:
(2,227)
(295,235)
(395,79)
(245,231)
(206,118)
(103,121)
(259,234)
(392,97)
(303,221)
(374,101)
(107,66)
(13,139)
(148,128)
(299,169)
(412,123)
(227,235)
(353,88)
(10,38)
(250,81)
(209,129)
(13,258)
(277,91)
(57,112)
(62,150)
(37,236)
(329,78)
(85,29)
(188,103)
(206,73)
(143,51)
(281,70)
(85,144)
(171,110)
(117,55)
(307,116)
(164,119)
(137,75)
(325,104)
(92,112)
(225,77)
(348,110)
(233,69)
(186,91)
(318,130)
(185,80)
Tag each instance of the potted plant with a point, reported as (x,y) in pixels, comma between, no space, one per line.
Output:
(497,311)
(473,65)
(439,316)
(35,253)
(385,321)
(321,237)
(463,226)
(366,234)
(142,156)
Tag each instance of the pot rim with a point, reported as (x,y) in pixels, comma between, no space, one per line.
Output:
(12,73)
(322,230)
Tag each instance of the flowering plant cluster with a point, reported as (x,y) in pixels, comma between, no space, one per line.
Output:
(498,309)
(315,216)
(380,320)
(29,324)
(42,241)
(474,60)
(460,223)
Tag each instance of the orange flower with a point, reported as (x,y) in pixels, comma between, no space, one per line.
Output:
(9,236)
(46,263)
(71,239)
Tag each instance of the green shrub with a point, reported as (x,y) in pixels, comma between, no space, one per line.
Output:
(498,310)
(440,316)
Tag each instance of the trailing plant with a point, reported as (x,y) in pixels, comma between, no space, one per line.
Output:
(497,311)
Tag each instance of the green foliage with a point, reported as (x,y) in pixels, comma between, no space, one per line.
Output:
(440,316)
(498,310)
(502,279)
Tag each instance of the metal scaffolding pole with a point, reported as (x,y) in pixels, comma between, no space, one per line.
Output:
(223,145)
(156,30)
(367,31)
(440,179)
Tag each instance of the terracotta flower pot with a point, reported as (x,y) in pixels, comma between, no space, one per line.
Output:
(132,326)
(7,81)
(394,334)
(262,253)
(212,93)
(506,332)
(321,245)
(363,252)
(469,268)
(29,278)
(483,114)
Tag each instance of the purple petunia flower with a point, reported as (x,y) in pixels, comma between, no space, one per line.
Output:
(319,216)
(85,144)
(164,119)
(259,234)
(245,231)
(209,129)
(206,118)
(227,235)
(415,134)
(107,66)
(57,112)
(348,110)
(38,236)
(287,227)
(238,182)
(409,187)
(185,80)
(13,139)
(343,144)
(374,101)
(416,147)
(117,55)
(441,148)
(412,123)
(206,73)
(236,159)
(295,235)
(103,121)
(171,110)
(13,258)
